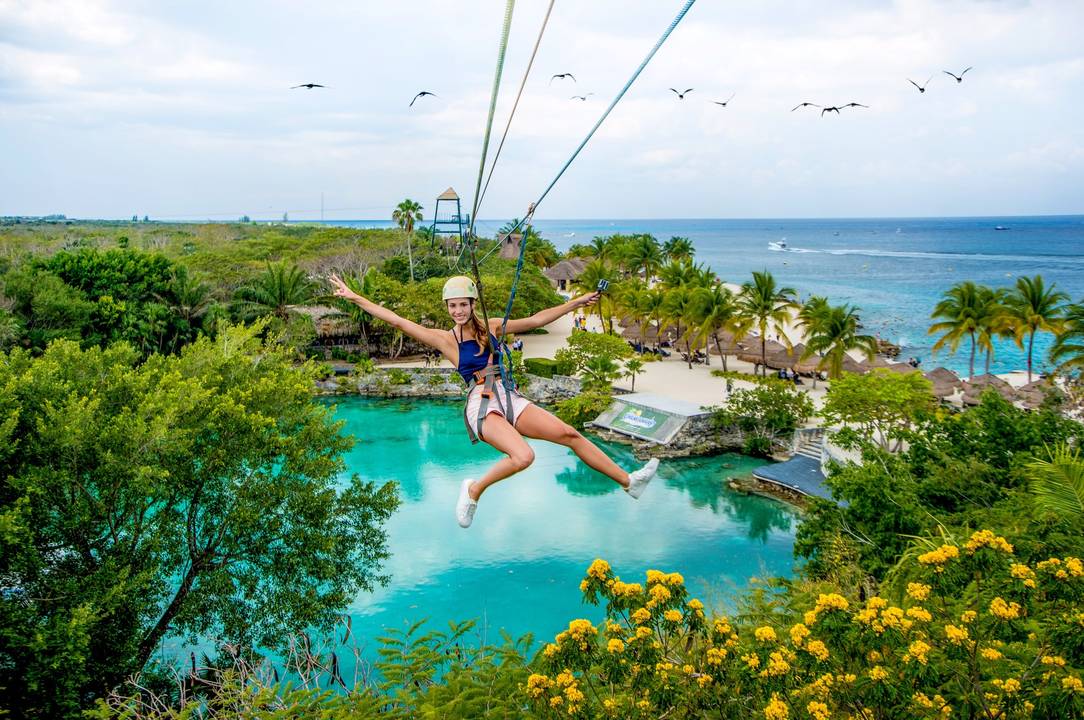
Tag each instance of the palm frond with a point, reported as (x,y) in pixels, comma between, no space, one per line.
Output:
(1057,483)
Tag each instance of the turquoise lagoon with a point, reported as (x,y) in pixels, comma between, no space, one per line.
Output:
(519,566)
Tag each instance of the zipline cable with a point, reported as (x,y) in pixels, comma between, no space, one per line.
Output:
(512,114)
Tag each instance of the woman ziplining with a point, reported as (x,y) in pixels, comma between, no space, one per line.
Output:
(498,416)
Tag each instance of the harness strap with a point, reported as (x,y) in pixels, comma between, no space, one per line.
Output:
(488,380)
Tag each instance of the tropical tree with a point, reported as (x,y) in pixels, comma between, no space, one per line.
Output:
(364,285)
(683,273)
(272,293)
(538,251)
(963,307)
(832,332)
(678,310)
(1057,483)
(406,214)
(651,304)
(1034,308)
(633,367)
(588,280)
(678,248)
(1068,348)
(992,320)
(763,305)
(644,255)
(716,312)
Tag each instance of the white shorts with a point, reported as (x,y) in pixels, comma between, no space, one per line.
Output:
(496,404)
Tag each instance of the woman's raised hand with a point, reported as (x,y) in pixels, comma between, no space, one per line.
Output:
(587,300)
(341,290)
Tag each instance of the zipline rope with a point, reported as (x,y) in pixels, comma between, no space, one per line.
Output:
(515,105)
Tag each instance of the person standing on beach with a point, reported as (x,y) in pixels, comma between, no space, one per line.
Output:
(473,351)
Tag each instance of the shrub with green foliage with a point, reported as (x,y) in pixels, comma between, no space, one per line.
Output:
(584,346)
(542,367)
(765,413)
(179,496)
(583,408)
(880,406)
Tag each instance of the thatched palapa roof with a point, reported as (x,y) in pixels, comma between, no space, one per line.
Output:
(945,382)
(974,388)
(568,270)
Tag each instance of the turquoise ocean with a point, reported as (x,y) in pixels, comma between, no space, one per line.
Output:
(893,269)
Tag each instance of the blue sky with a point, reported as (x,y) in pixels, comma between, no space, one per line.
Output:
(109,108)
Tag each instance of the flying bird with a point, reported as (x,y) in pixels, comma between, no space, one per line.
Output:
(580,97)
(423,93)
(307,86)
(562,76)
(922,87)
(805,104)
(959,78)
(681,95)
(724,102)
(841,107)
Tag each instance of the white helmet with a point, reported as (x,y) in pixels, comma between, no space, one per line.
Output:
(458,287)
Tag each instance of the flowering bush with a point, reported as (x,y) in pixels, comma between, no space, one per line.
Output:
(977,635)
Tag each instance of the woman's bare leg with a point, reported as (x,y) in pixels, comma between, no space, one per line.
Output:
(534,422)
(497,432)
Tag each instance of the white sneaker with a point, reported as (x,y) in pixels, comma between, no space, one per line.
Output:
(465,506)
(638,479)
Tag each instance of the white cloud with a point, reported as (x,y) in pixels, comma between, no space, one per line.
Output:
(213,79)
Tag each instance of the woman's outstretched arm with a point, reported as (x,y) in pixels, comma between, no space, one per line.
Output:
(433,338)
(545,317)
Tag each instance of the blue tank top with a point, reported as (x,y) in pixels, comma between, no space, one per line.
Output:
(470,361)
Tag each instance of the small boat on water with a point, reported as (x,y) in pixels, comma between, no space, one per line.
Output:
(778,246)
(1000,227)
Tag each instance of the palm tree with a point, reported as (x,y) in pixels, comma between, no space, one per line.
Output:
(651,305)
(633,367)
(832,332)
(717,312)
(645,255)
(588,280)
(679,309)
(272,293)
(1057,483)
(188,299)
(962,306)
(1068,348)
(993,321)
(763,305)
(405,214)
(1032,308)
(364,285)
(678,248)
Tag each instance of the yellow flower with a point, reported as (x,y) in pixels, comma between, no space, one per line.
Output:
(556,701)
(659,594)
(776,709)
(549,650)
(672,616)
(765,634)
(809,617)
(831,601)
(695,604)
(991,654)
(986,538)
(537,684)
(583,585)
(715,656)
(817,710)
(1009,686)
(939,557)
(1021,572)
(609,704)
(643,632)
(654,576)
(565,678)
(956,635)
(641,616)
(877,673)
(704,680)
(922,700)
(777,665)
(876,603)
(918,650)
(599,569)
(968,616)
(1053,660)
(722,627)
(615,646)
(918,591)
(751,660)
(674,579)
(1072,684)
(919,613)
(798,634)
(817,649)
(874,657)
(1003,610)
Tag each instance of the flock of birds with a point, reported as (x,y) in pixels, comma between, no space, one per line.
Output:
(682,93)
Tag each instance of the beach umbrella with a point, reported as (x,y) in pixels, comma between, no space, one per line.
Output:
(728,343)
(810,366)
(945,382)
(1033,395)
(751,354)
(875,362)
(851,365)
(901,368)
(973,389)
